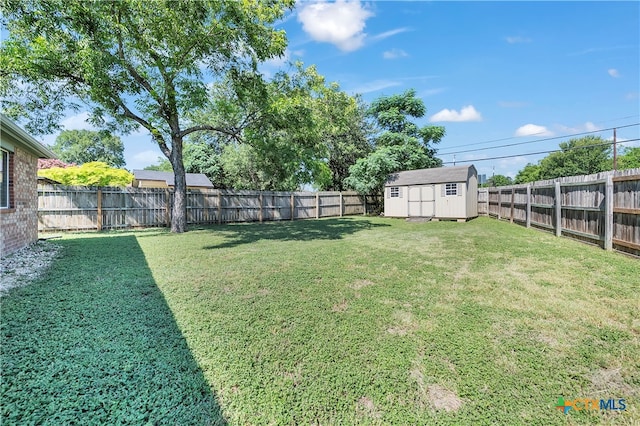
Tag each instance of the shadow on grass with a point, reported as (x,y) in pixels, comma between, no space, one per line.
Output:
(94,342)
(300,230)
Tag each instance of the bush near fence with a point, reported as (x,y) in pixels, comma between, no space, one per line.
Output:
(602,208)
(87,208)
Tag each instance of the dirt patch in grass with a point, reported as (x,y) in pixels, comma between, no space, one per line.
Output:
(433,395)
(360,284)
(443,399)
(340,307)
(366,407)
(609,380)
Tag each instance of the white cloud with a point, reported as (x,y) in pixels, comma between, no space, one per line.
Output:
(613,73)
(394,54)
(374,86)
(341,23)
(533,130)
(77,122)
(590,127)
(467,113)
(389,33)
(517,39)
(586,127)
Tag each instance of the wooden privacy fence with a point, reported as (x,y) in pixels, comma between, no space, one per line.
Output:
(84,208)
(603,208)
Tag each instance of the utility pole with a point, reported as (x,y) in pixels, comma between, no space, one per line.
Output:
(615,152)
(454,160)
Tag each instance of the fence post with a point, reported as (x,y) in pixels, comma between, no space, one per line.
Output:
(167,212)
(260,202)
(364,205)
(513,203)
(608,214)
(219,207)
(488,211)
(558,209)
(528,212)
(99,216)
(293,206)
(317,205)
(499,203)
(341,204)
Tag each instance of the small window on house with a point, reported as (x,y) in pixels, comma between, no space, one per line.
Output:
(394,192)
(4,180)
(451,189)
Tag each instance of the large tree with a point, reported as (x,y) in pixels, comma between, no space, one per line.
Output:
(400,145)
(84,146)
(582,156)
(137,62)
(296,130)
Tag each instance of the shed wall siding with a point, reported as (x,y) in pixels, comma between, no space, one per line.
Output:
(452,206)
(396,207)
(19,224)
(472,197)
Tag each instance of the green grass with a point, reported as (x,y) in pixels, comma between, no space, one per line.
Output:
(337,321)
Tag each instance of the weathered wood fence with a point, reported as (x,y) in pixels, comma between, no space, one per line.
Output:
(84,208)
(603,208)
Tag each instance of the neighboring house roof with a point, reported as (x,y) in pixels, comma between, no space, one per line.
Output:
(27,142)
(193,179)
(437,175)
(42,179)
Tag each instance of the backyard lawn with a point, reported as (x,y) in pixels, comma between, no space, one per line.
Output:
(337,321)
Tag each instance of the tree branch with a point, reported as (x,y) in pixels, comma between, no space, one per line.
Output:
(233,134)
(155,133)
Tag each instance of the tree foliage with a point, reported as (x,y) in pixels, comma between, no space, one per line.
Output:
(84,146)
(582,156)
(94,173)
(296,130)
(530,173)
(498,180)
(135,62)
(399,145)
(629,158)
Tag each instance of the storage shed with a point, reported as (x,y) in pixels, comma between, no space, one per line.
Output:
(441,193)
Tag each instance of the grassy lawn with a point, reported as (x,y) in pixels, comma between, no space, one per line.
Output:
(336,321)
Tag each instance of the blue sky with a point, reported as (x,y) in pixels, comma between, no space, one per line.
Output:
(487,71)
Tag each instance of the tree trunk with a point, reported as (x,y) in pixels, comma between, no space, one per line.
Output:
(179,208)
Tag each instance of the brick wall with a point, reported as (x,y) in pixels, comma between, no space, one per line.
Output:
(19,223)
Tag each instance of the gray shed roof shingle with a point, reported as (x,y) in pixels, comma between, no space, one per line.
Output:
(425,176)
(193,179)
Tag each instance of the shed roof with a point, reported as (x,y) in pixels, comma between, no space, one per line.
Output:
(23,138)
(193,179)
(437,175)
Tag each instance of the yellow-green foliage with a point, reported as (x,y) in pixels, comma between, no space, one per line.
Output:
(95,173)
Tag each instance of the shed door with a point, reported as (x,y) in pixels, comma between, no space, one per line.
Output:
(421,200)
(428,200)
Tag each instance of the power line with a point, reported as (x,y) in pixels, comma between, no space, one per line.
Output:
(540,152)
(534,134)
(538,140)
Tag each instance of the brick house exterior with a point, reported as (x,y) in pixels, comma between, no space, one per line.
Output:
(19,187)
